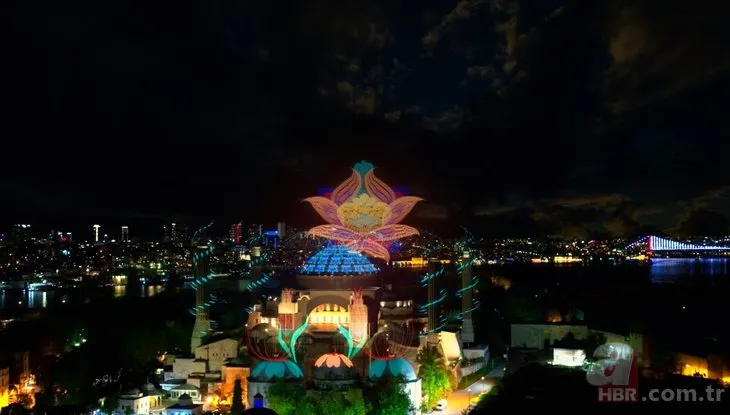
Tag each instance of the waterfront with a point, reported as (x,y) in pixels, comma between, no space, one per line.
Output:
(660,271)
(33,300)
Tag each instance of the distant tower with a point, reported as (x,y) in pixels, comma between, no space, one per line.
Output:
(433,312)
(358,316)
(173,232)
(288,310)
(96,233)
(281,229)
(467,327)
(125,233)
(236,232)
(202,325)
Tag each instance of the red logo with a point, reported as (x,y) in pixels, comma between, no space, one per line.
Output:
(615,372)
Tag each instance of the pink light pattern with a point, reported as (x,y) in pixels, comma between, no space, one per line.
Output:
(363,213)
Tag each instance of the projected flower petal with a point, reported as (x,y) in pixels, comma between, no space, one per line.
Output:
(374,249)
(333,360)
(334,232)
(326,208)
(347,189)
(378,188)
(400,207)
(392,232)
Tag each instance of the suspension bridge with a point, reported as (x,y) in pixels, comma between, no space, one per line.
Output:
(659,244)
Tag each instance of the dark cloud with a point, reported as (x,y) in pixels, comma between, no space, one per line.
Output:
(663,48)
(546,116)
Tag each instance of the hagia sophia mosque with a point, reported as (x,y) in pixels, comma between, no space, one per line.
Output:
(337,325)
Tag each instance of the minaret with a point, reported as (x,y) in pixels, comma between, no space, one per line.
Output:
(467,328)
(96,233)
(433,314)
(358,316)
(288,310)
(257,269)
(202,325)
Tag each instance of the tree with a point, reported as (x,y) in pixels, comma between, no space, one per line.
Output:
(128,411)
(284,398)
(434,376)
(356,404)
(237,406)
(350,402)
(519,308)
(392,399)
(111,404)
(592,342)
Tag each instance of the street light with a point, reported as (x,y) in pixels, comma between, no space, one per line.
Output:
(469,390)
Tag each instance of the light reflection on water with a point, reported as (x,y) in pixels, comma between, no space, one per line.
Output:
(16,299)
(668,270)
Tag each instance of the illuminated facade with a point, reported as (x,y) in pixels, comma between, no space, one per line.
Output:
(4,387)
(277,352)
(288,310)
(386,350)
(358,323)
(318,329)
(363,213)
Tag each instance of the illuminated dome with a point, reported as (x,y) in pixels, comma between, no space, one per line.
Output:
(274,370)
(333,367)
(380,369)
(338,260)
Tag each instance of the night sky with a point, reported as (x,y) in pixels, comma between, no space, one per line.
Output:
(577,118)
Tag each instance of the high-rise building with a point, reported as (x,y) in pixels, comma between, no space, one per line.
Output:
(256,230)
(236,232)
(125,233)
(21,233)
(281,230)
(96,233)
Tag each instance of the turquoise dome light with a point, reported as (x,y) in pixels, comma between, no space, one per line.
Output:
(338,260)
(398,367)
(272,370)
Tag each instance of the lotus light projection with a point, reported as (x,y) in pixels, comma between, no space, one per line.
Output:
(363,213)
(277,354)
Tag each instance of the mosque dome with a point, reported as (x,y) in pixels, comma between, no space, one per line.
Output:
(150,389)
(398,367)
(267,371)
(338,260)
(185,400)
(334,366)
(132,392)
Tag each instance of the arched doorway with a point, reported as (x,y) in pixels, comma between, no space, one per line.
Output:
(326,317)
